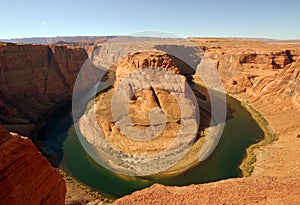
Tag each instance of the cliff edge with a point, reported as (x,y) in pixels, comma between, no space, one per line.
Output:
(26,177)
(34,80)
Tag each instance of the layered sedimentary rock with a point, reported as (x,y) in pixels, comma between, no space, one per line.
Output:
(248,68)
(242,63)
(141,79)
(26,177)
(141,104)
(35,79)
(254,190)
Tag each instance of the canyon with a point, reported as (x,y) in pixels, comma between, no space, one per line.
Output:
(36,79)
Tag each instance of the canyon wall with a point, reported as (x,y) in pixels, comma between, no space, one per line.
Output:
(266,76)
(248,66)
(26,177)
(34,80)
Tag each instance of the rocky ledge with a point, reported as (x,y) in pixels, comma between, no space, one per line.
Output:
(254,190)
(26,177)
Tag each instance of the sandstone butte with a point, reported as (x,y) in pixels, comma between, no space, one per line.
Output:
(139,108)
(264,75)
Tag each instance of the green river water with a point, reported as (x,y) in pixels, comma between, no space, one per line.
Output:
(240,132)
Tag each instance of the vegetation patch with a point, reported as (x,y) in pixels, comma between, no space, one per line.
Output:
(270,135)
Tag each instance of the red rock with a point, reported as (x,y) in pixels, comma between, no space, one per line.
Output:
(254,190)
(34,79)
(26,177)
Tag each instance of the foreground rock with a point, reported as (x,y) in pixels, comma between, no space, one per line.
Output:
(26,177)
(254,190)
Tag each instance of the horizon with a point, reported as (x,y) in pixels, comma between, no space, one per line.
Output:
(219,19)
(188,37)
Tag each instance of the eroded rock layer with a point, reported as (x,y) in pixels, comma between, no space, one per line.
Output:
(247,68)
(26,177)
(160,121)
(34,80)
(141,104)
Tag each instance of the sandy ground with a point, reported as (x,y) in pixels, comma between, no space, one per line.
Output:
(76,195)
(282,158)
(79,194)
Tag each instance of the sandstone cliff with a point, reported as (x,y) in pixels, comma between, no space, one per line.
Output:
(242,63)
(34,80)
(247,68)
(26,177)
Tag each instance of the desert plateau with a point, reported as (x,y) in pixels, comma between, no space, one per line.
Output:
(144,102)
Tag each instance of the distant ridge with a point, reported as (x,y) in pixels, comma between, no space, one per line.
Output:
(92,39)
(50,40)
(249,38)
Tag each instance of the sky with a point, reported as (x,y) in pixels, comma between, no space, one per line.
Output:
(275,19)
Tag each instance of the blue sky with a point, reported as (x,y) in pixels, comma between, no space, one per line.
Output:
(231,18)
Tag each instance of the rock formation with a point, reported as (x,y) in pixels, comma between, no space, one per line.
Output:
(156,97)
(254,190)
(34,80)
(246,67)
(26,177)
(242,63)
(141,104)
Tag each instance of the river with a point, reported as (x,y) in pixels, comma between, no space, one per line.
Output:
(60,138)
